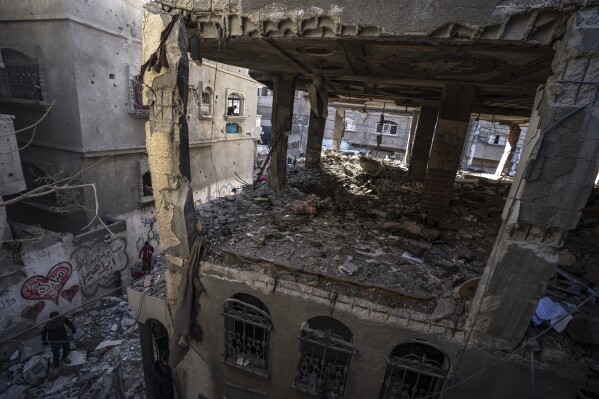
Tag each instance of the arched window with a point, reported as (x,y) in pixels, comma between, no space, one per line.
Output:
(324,357)
(234,104)
(19,76)
(415,370)
(206,103)
(247,330)
(159,339)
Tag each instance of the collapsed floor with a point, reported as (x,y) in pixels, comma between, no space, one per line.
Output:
(105,361)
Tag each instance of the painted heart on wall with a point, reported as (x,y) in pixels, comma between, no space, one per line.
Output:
(49,287)
(31,312)
(69,293)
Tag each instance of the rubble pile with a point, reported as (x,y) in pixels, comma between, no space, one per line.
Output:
(358,219)
(105,359)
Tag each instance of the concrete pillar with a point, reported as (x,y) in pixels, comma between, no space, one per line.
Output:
(446,151)
(415,116)
(319,100)
(553,181)
(282,114)
(506,162)
(421,145)
(167,140)
(338,129)
(147,357)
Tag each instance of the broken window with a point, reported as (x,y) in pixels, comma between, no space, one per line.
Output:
(324,357)
(19,76)
(247,330)
(387,128)
(234,105)
(206,103)
(415,370)
(350,124)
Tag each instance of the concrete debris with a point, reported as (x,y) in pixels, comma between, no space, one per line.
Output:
(96,353)
(409,256)
(565,258)
(349,268)
(445,308)
(108,344)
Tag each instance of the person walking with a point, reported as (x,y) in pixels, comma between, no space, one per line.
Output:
(145,254)
(55,334)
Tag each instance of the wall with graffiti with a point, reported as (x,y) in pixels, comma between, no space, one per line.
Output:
(60,274)
(141,227)
(220,189)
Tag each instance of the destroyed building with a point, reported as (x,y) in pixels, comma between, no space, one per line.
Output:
(70,81)
(353,278)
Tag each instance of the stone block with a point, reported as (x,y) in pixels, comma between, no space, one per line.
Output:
(445,308)
(15,392)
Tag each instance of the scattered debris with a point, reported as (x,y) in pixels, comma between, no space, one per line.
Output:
(553,312)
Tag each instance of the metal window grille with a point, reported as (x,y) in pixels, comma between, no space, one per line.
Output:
(323,363)
(206,104)
(19,76)
(247,330)
(412,377)
(350,125)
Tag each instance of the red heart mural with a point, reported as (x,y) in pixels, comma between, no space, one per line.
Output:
(49,287)
(69,293)
(31,312)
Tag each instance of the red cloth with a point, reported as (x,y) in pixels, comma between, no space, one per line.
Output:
(146,253)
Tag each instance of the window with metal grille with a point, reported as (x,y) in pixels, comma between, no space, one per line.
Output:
(206,103)
(19,76)
(415,370)
(247,331)
(324,357)
(350,125)
(137,107)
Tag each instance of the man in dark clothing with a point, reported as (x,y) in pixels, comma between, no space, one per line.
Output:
(55,334)
(163,380)
(145,254)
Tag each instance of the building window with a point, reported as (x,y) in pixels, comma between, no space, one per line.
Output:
(146,192)
(496,139)
(387,128)
(206,103)
(234,105)
(19,76)
(137,107)
(247,330)
(324,357)
(350,125)
(415,370)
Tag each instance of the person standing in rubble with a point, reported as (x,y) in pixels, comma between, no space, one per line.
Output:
(145,254)
(55,334)
(163,380)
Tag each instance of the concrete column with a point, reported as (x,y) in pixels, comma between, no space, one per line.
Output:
(421,146)
(338,129)
(282,114)
(446,151)
(506,162)
(415,116)
(147,357)
(319,100)
(167,140)
(551,187)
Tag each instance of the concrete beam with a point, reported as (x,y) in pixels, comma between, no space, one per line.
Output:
(338,128)
(167,138)
(552,184)
(446,151)
(317,93)
(415,116)
(506,161)
(421,148)
(282,114)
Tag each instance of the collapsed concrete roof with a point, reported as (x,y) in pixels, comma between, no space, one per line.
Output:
(405,52)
